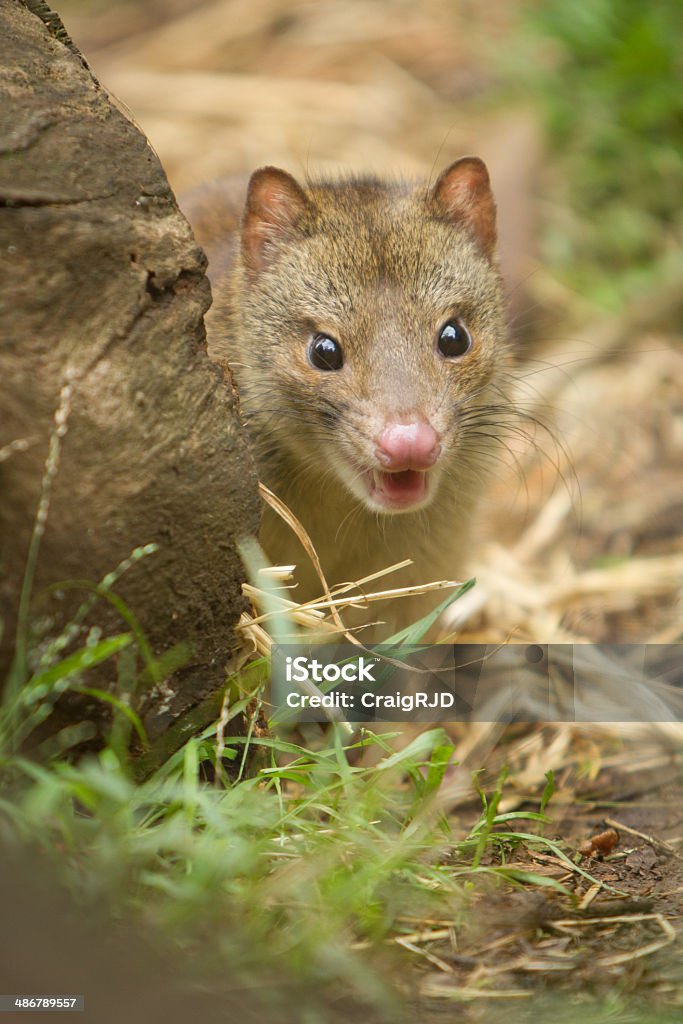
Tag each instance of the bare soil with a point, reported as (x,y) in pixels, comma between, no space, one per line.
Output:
(614,935)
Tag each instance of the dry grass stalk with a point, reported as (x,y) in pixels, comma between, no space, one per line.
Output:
(570,926)
(658,844)
(310,615)
(432,989)
(19,445)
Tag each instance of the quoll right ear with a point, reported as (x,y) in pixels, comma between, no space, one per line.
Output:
(275,207)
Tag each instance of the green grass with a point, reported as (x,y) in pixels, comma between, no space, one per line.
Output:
(304,870)
(296,862)
(608,77)
(306,864)
(290,868)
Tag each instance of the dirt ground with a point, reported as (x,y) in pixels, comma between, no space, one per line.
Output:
(615,937)
(582,539)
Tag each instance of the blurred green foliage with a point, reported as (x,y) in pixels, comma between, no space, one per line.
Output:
(608,75)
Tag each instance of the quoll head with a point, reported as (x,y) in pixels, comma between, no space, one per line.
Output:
(372,326)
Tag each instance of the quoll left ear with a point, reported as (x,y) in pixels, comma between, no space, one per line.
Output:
(463,196)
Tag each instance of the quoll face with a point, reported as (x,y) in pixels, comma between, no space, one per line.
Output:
(374,320)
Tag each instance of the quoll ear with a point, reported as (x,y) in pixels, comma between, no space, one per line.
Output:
(274,209)
(463,196)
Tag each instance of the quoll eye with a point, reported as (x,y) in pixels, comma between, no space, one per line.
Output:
(454,340)
(325,353)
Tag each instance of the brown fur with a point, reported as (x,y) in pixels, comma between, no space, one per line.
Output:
(378,266)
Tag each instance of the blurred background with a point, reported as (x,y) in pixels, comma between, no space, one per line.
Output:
(578,110)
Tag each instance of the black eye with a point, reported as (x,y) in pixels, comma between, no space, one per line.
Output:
(325,353)
(454,340)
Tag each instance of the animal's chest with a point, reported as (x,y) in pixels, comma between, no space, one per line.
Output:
(353,545)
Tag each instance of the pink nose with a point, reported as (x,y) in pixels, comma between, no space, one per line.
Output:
(413,445)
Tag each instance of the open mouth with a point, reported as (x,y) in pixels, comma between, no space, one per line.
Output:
(400,490)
